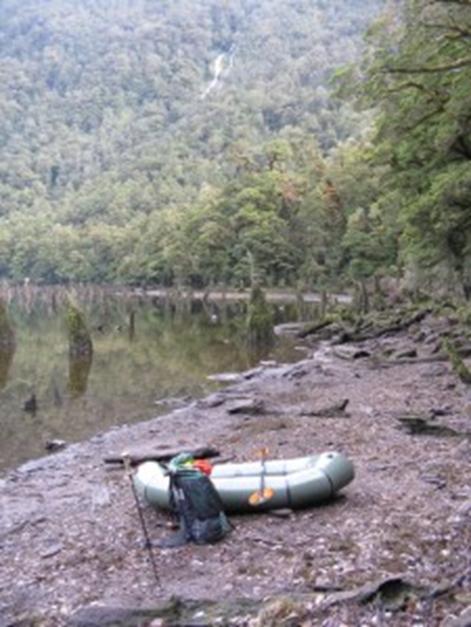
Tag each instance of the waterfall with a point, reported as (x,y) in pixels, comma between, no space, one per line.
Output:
(219,69)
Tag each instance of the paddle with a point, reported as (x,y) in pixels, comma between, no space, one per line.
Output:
(261,496)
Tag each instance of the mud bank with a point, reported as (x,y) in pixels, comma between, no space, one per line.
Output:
(394,548)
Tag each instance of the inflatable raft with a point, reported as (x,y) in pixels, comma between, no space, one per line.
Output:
(293,483)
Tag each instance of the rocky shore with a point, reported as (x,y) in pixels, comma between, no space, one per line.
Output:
(393,548)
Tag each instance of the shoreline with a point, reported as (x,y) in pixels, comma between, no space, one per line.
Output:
(71,542)
(273,295)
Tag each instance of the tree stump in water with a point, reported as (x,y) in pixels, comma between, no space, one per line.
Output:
(80,342)
(7,335)
(259,319)
(7,345)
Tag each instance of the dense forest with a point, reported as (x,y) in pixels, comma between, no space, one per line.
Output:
(307,142)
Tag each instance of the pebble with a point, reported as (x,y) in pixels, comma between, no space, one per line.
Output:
(54,549)
(281,513)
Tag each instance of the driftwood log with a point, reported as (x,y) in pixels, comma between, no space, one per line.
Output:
(164,455)
(420,425)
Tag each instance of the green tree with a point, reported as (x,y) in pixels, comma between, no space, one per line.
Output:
(419,73)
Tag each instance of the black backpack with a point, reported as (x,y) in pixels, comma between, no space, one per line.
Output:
(198,508)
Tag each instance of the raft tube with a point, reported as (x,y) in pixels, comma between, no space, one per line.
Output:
(296,483)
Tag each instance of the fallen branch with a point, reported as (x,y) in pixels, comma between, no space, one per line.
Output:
(392,591)
(419,425)
(203,452)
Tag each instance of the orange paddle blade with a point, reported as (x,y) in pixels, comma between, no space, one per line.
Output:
(261,496)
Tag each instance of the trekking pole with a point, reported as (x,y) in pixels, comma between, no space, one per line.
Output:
(148,544)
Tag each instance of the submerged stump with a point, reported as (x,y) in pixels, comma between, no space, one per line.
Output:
(259,319)
(6,359)
(80,341)
(7,345)
(79,371)
(7,334)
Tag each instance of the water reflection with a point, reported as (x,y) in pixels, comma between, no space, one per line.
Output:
(79,371)
(144,351)
(7,344)
(132,325)
(6,359)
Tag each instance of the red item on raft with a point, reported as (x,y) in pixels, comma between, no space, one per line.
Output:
(203,466)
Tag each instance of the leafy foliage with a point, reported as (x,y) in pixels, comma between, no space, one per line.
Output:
(174,141)
(419,71)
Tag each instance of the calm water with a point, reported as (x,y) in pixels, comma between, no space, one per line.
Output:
(168,355)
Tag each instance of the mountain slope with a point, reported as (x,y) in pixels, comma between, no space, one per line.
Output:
(113,110)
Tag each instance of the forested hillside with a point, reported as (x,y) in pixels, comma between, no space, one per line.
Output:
(201,142)
(178,140)
(419,77)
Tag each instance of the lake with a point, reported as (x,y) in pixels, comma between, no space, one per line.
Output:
(150,354)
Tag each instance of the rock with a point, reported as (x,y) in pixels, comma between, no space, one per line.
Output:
(213,400)
(226,377)
(31,404)
(421,336)
(253,372)
(351,352)
(281,513)
(247,406)
(437,481)
(298,371)
(418,425)
(333,411)
(52,550)
(36,465)
(361,354)
(437,370)
(173,401)
(410,353)
(289,328)
(436,412)
(55,445)
(463,620)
